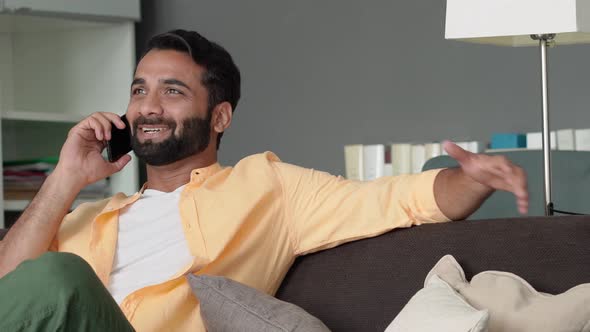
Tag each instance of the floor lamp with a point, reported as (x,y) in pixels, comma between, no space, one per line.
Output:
(540,23)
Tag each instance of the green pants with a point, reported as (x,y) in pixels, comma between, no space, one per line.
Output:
(57,292)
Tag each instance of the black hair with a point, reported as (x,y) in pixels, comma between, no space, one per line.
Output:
(221,77)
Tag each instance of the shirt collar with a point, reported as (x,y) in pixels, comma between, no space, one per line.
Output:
(199,174)
(120,200)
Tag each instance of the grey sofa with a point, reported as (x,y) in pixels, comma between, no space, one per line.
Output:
(362,285)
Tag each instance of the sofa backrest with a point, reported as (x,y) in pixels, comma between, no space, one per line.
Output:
(362,285)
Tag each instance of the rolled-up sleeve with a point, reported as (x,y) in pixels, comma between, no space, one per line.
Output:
(324,211)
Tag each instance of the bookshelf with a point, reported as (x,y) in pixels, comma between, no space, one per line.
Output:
(59,64)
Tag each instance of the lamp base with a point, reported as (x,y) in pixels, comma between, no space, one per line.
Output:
(549,211)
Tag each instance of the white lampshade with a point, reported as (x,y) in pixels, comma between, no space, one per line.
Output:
(511,22)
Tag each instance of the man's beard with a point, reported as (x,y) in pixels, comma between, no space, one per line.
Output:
(193,139)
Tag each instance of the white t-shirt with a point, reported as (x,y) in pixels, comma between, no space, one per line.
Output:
(151,246)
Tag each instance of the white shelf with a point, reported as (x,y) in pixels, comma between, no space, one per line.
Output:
(20,205)
(42,116)
(85,52)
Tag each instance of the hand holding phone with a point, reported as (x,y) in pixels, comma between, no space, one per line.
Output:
(120,142)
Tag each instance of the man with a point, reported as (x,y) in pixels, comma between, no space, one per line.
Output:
(248,222)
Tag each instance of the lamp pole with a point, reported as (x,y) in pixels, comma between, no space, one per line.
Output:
(546,40)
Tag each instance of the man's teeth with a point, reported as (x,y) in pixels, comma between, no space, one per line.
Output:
(152,130)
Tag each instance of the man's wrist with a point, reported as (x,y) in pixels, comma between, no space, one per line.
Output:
(474,186)
(457,194)
(67,181)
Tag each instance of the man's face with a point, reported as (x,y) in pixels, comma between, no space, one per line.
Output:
(168,109)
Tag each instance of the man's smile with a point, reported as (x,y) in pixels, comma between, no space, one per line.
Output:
(158,131)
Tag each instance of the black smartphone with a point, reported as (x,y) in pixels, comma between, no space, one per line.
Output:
(120,143)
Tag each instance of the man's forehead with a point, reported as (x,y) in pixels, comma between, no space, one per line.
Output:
(168,63)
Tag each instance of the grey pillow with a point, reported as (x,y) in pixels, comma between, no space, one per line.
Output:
(227,305)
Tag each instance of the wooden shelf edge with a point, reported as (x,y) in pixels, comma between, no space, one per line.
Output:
(42,116)
(21,204)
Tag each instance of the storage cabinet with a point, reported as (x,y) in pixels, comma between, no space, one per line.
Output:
(57,69)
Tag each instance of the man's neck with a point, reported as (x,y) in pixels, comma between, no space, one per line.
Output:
(168,178)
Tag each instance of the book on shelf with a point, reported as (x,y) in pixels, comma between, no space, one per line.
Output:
(387,167)
(462,144)
(471,146)
(534,140)
(369,162)
(418,157)
(401,158)
(508,141)
(476,146)
(353,160)
(562,139)
(373,161)
(432,150)
(566,140)
(582,137)
(22,179)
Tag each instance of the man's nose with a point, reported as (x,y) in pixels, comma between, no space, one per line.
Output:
(150,105)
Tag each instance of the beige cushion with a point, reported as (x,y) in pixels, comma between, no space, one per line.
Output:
(438,308)
(514,305)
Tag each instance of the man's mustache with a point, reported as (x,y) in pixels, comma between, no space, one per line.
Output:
(142,120)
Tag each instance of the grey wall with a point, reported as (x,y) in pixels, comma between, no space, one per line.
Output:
(318,74)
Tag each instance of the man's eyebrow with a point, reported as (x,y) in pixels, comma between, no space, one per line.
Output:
(173,81)
(137,81)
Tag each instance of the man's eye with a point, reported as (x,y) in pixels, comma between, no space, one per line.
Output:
(173,91)
(138,91)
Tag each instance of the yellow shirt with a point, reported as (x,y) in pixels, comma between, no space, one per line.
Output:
(249,223)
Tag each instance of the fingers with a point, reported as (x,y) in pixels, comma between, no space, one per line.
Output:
(495,172)
(101,123)
(115,119)
(512,178)
(522,194)
(456,152)
(517,181)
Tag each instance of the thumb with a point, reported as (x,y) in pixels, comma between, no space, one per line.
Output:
(120,163)
(456,152)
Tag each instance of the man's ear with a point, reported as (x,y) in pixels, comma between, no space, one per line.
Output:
(222,116)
